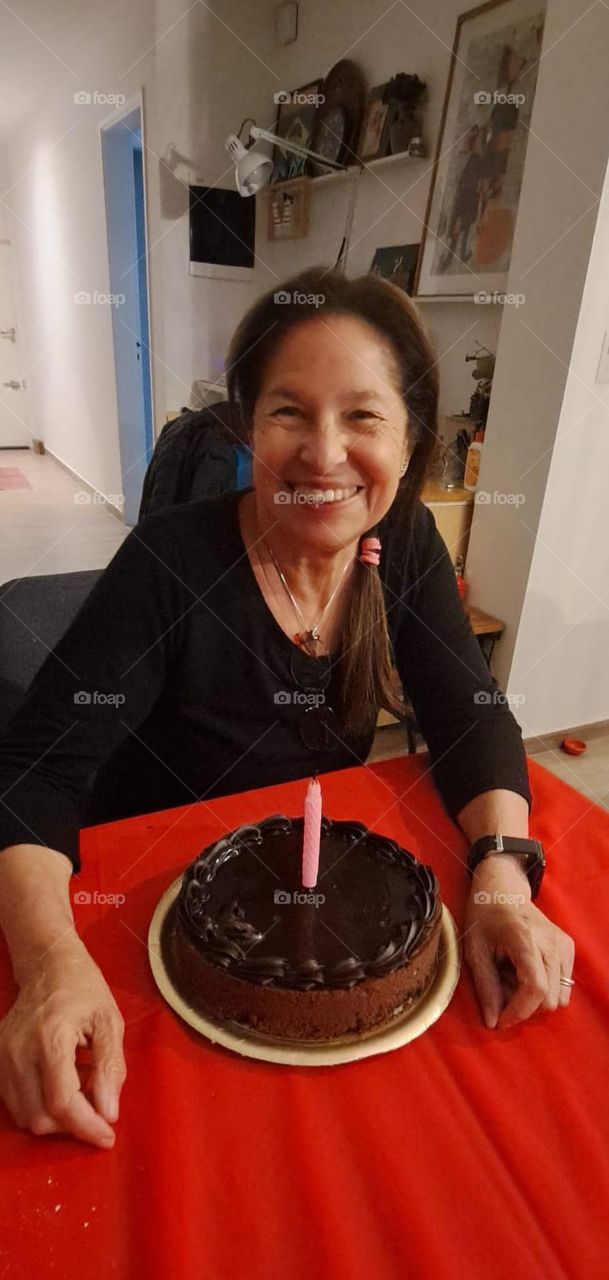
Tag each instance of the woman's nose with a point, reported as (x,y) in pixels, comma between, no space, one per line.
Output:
(325,448)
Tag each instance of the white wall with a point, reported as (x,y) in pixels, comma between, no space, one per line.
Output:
(560,658)
(542,386)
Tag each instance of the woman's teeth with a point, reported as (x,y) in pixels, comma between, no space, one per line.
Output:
(320,497)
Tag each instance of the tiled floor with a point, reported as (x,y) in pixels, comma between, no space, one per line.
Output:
(45,530)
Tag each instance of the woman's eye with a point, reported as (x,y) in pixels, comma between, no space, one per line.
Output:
(285,409)
(362,413)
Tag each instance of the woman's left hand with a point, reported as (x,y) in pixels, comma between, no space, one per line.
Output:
(516,955)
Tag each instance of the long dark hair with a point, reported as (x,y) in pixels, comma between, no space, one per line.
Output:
(366,662)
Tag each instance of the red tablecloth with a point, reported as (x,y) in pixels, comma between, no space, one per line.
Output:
(468,1152)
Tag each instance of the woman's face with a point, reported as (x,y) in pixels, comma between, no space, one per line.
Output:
(329,434)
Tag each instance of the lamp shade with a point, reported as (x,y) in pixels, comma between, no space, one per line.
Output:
(252,171)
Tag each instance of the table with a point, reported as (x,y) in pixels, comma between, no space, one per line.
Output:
(486,628)
(467,1153)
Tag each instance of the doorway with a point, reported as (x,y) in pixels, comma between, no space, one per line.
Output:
(125,199)
(14,428)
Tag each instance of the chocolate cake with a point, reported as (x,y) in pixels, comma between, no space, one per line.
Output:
(246,945)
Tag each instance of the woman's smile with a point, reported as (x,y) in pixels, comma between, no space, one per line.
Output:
(313,496)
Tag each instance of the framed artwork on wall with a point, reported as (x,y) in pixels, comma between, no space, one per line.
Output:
(295,120)
(479,162)
(397,263)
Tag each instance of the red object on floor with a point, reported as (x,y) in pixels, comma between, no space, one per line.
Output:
(573,746)
(13,478)
(467,1152)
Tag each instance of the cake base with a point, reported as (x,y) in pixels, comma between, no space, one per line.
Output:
(396,1031)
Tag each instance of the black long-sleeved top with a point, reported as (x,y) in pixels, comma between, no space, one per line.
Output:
(177,660)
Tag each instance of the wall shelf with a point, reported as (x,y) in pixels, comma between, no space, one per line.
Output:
(352,170)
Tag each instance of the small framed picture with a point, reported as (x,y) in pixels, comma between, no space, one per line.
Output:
(295,119)
(374,135)
(397,263)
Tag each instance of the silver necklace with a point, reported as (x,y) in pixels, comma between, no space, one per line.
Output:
(310,637)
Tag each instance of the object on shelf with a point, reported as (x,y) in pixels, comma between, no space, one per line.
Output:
(461,583)
(472,464)
(482,371)
(288,209)
(397,263)
(404,94)
(573,746)
(338,119)
(417,147)
(296,112)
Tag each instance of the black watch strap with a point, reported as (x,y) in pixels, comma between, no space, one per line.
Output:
(531,851)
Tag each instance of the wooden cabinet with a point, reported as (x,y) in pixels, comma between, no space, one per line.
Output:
(452,510)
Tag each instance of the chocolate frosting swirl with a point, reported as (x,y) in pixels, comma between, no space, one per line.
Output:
(243,906)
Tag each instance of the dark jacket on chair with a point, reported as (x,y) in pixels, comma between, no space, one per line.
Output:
(197,455)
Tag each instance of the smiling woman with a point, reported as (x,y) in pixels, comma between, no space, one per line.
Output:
(251,639)
(337,397)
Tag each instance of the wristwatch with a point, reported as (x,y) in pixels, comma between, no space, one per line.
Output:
(530,850)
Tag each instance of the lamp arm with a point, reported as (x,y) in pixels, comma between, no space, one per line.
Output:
(263,134)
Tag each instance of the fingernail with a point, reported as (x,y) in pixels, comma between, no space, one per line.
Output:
(109,1107)
(108,1141)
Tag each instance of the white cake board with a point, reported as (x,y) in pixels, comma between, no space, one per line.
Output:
(246,1043)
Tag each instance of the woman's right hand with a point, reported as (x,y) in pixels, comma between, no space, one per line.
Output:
(63,1002)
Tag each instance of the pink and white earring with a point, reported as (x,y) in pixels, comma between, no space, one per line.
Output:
(404,467)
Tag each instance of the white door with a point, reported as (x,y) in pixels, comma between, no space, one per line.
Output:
(14,431)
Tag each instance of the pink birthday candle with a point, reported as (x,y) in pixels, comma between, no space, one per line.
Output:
(312,833)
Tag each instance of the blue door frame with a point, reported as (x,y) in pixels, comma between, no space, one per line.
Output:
(126,232)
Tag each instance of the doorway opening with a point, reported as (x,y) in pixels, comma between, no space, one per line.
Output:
(125,199)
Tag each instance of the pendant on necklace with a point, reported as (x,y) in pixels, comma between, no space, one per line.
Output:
(308,640)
